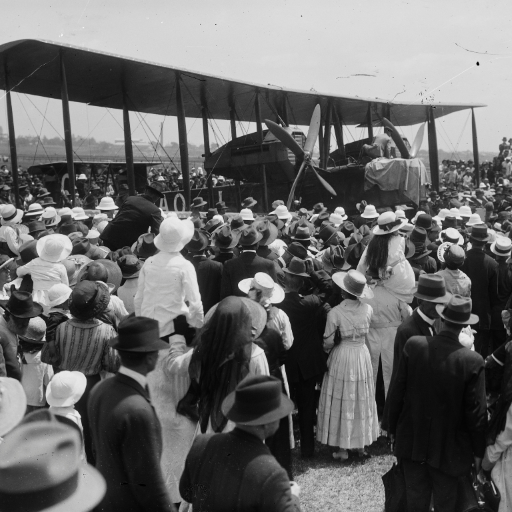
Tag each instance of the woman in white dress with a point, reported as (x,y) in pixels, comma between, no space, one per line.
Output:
(347,415)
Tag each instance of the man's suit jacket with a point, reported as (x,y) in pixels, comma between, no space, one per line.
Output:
(483,272)
(266,253)
(243,267)
(236,472)
(306,357)
(136,215)
(209,276)
(437,404)
(127,441)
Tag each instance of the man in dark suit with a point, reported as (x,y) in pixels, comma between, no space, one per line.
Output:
(136,215)
(209,272)
(437,410)
(236,471)
(225,240)
(483,272)
(306,360)
(246,265)
(126,432)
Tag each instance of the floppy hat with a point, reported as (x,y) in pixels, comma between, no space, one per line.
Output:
(138,334)
(58,294)
(41,470)
(341,211)
(474,220)
(50,217)
(248,202)
(13,404)
(66,388)
(250,236)
(88,299)
(452,236)
(282,212)
(387,223)
(457,311)
(79,213)
(479,233)
(268,231)
(226,238)
(370,212)
(130,266)
(54,247)
(107,203)
(257,400)
(266,284)
(199,241)
(197,202)
(246,214)
(354,283)
(34,210)
(21,305)
(502,246)
(296,267)
(174,234)
(432,288)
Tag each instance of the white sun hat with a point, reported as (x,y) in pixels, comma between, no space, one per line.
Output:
(370,212)
(261,281)
(66,388)
(34,210)
(474,220)
(341,211)
(282,212)
(107,203)
(246,214)
(79,213)
(465,211)
(50,217)
(174,234)
(336,219)
(11,215)
(54,247)
(387,223)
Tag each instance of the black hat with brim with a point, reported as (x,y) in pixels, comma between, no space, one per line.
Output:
(21,305)
(157,187)
(138,334)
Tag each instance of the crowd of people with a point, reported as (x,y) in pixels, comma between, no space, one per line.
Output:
(149,362)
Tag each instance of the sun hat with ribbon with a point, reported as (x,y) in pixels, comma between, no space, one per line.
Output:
(354,283)
(246,214)
(107,203)
(50,217)
(370,212)
(66,388)
(54,248)
(263,282)
(457,311)
(432,288)
(41,469)
(11,215)
(387,223)
(257,400)
(174,234)
(13,404)
(34,210)
(502,246)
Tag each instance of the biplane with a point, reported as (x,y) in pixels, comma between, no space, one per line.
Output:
(275,162)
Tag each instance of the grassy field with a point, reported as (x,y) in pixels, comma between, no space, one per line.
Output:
(352,486)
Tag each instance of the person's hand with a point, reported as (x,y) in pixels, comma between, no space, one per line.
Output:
(295,488)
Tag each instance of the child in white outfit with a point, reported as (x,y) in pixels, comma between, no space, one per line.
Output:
(47,269)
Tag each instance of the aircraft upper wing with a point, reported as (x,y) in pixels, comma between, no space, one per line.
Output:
(105,80)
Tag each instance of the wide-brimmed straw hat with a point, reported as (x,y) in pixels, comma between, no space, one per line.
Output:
(11,215)
(88,300)
(257,400)
(66,388)
(354,283)
(266,284)
(457,311)
(174,234)
(432,288)
(13,404)
(387,223)
(54,247)
(41,469)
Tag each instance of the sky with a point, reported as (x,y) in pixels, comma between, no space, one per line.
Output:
(445,50)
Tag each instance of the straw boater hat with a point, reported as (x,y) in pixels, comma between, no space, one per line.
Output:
(257,400)
(13,404)
(54,247)
(66,388)
(457,311)
(354,283)
(41,469)
(387,223)
(502,246)
(266,284)
(107,203)
(34,210)
(174,234)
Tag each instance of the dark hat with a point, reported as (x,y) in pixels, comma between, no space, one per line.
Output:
(257,400)
(221,205)
(158,187)
(457,311)
(449,222)
(35,226)
(67,229)
(418,235)
(225,238)
(347,228)
(354,251)
(454,254)
(88,300)
(145,246)
(6,188)
(130,266)
(297,267)
(43,192)
(479,233)
(211,212)
(21,305)
(237,222)
(138,334)
(432,288)
(114,272)
(276,203)
(268,231)
(28,252)
(302,233)
(212,225)
(424,221)
(318,208)
(250,236)
(248,202)
(321,217)
(326,232)
(298,250)
(199,241)
(48,201)
(197,202)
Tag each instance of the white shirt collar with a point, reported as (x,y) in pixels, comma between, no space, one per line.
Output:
(430,321)
(248,250)
(136,376)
